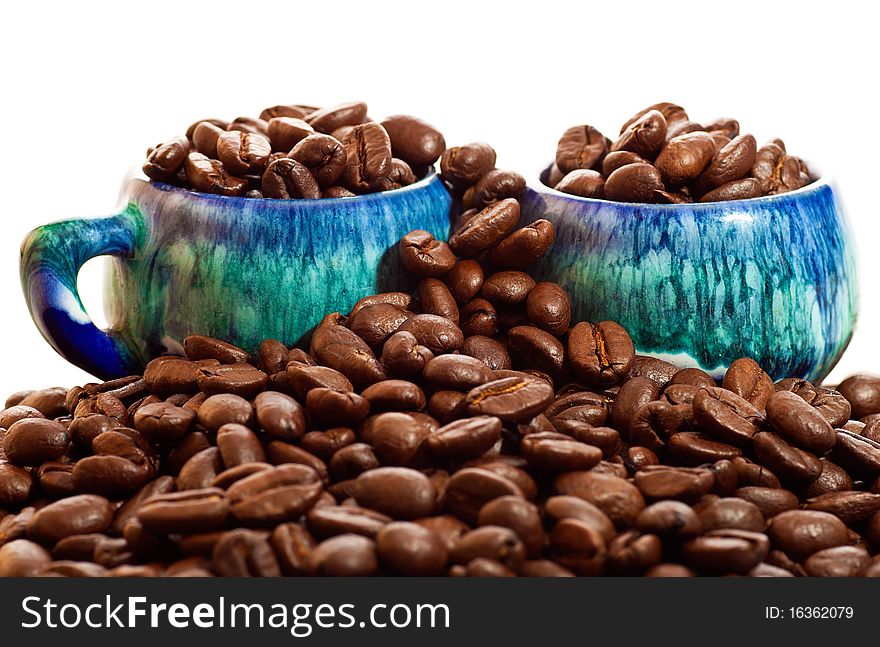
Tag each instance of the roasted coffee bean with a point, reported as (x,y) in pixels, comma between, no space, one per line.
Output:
(279,415)
(292,544)
(456,372)
(578,547)
(841,561)
(633,394)
(406,548)
(616,497)
(465,165)
(394,395)
(605,438)
(280,453)
(200,470)
(601,353)
(330,408)
(746,378)
(490,352)
(537,349)
(330,520)
(749,473)
(224,408)
(792,464)
(288,179)
(524,246)
(632,553)
(324,156)
(403,355)
(511,399)
(191,511)
(863,393)
(731,512)
(437,334)
(170,375)
(286,132)
(22,558)
(633,183)
(656,370)
(832,479)
(204,136)
(32,441)
(166,160)
(55,479)
(684,157)
(637,458)
(549,308)
(424,256)
(694,448)
(584,183)
(436,299)
(464,280)
(210,176)
(692,377)
(447,406)
(645,136)
(399,492)
(486,228)
(399,299)
(851,507)
(770,501)
(479,317)
(672,519)
(580,147)
(617,159)
(555,452)
(368,157)
(507,288)
(243,153)
(726,551)
(163,422)
(270,497)
(76,515)
(344,556)
(793,418)
(471,488)
(339,348)
(732,162)
(244,553)
(248,125)
(742,189)
(654,423)
(856,453)
(15,485)
(304,378)
(682,483)
(497,185)
(583,406)
(352,460)
(238,445)
(726,416)
(413,140)
(397,438)
(328,119)
(800,533)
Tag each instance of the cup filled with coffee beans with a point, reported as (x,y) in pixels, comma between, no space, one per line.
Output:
(246,229)
(691,233)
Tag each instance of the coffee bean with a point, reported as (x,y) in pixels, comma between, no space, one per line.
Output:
(742,189)
(479,317)
(497,185)
(243,153)
(397,438)
(191,511)
(633,183)
(270,497)
(436,299)
(524,246)
(790,463)
(633,394)
(580,147)
(344,556)
(672,519)
(15,485)
(578,547)
(166,160)
(76,515)
(800,533)
(584,183)
(330,408)
(288,179)
(487,350)
(22,558)
(555,452)
(726,551)
(486,228)
(616,497)
(465,165)
(170,375)
(326,120)
(510,399)
(31,441)
(292,545)
(832,479)
(694,448)
(399,492)
(863,393)
(731,513)
(399,299)
(617,159)
(464,280)
(507,288)
(245,553)
(163,422)
(368,157)
(210,176)
(304,378)
(796,420)
(413,140)
(406,548)
(423,256)
(204,137)
(394,395)
(684,157)
(645,136)
(279,415)
(601,353)
(682,483)
(841,561)
(403,355)
(732,162)
(437,334)
(726,416)
(287,132)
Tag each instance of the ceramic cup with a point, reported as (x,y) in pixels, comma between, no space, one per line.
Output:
(240,269)
(773,278)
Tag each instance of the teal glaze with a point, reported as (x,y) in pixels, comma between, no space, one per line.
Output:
(239,269)
(772,278)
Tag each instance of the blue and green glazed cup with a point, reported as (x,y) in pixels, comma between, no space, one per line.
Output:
(241,269)
(773,278)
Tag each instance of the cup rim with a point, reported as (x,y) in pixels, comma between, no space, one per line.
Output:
(355,199)
(817,184)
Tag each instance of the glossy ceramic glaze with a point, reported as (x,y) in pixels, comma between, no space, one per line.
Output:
(236,268)
(772,278)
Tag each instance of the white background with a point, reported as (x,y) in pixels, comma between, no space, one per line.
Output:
(88,87)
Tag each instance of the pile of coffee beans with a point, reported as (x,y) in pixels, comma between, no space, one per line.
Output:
(470,430)
(298,151)
(662,156)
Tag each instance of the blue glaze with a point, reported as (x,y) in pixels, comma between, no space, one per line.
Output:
(235,268)
(772,278)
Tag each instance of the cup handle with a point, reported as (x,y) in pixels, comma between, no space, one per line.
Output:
(51,258)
